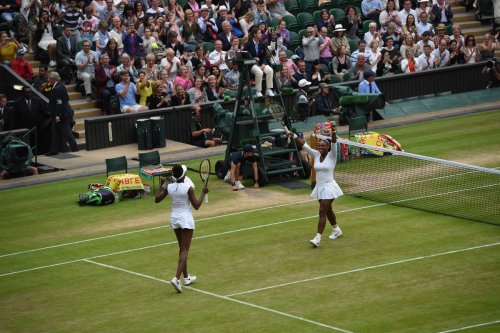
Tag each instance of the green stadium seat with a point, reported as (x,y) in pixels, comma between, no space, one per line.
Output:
(335,79)
(302,33)
(305,20)
(338,13)
(289,54)
(292,6)
(208,46)
(353,45)
(294,40)
(308,5)
(291,22)
(365,25)
(274,22)
(317,15)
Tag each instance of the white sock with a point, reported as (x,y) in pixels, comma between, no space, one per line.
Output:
(318,235)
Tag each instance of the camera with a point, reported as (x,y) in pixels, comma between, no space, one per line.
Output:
(164,94)
(490,63)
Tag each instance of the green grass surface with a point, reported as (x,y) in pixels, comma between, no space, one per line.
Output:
(65,268)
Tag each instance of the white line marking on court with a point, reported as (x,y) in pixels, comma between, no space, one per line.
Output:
(221,297)
(364,269)
(175,242)
(472,326)
(147,229)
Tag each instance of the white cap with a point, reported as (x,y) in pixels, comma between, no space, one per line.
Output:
(204,7)
(303,83)
(221,8)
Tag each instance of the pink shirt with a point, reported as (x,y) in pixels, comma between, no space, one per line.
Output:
(185,83)
(326,53)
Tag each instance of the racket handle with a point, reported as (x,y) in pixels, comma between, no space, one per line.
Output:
(206,198)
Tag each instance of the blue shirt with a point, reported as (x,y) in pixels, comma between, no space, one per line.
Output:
(129,99)
(369,5)
(364,88)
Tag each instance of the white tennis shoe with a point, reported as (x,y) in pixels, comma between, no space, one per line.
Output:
(315,241)
(336,233)
(227,177)
(177,284)
(239,185)
(190,279)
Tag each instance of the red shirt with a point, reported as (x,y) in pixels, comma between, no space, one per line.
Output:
(23,68)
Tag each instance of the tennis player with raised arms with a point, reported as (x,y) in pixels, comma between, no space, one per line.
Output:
(326,189)
(181,219)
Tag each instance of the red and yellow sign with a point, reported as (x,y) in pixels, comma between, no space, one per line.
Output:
(125,182)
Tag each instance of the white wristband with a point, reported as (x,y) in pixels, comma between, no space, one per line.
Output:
(294,136)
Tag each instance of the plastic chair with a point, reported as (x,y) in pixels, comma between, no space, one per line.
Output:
(208,46)
(353,45)
(291,22)
(289,54)
(338,13)
(116,164)
(335,79)
(366,24)
(274,22)
(308,5)
(317,15)
(302,33)
(294,41)
(292,6)
(358,125)
(152,158)
(305,20)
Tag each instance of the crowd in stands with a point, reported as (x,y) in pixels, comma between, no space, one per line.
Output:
(156,53)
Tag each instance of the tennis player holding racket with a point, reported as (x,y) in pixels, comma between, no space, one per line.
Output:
(181,219)
(326,189)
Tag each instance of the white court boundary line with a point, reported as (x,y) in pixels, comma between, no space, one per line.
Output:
(175,242)
(148,229)
(472,326)
(366,268)
(222,297)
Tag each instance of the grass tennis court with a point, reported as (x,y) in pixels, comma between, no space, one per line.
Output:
(65,268)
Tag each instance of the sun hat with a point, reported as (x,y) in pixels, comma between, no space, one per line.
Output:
(339,27)
(303,83)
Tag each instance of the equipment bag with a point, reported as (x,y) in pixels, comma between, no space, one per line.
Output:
(97,197)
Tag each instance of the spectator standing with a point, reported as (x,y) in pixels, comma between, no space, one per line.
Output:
(407,10)
(22,67)
(409,63)
(425,61)
(61,114)
(341,63)
(85,61)
(277,9)
(131,42)
(376,55)
(325,48)
(424,24)
(422,7)
(359,67)
(424,41)
(41,78)
(70,19)
(101,37)
(8,48)
(180,97)
(441,13)
(326,20)
(392,34)
(155,10)
(144,87)
(262,14)
(247,21)
(285,62)
(170,63)
(28,111)
(371,9)
(65,53)
(88,24)
(104,81)
(339,39)
(361,49)
(207,25)
(488,46)
(98,8)
(372,34)
(127,91)
(257,50)
(116,32)
(410,28)
(311,45)
(353,23)
(6,115)
(184,78)
(190,31)
(471,53)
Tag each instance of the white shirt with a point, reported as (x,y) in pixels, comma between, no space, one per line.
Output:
(424,63)
(403,14)
(445,56)
(215,56)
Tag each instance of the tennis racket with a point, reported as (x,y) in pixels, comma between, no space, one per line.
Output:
(277,112)
(205,173)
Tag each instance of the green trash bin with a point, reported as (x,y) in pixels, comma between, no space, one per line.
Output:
(158,132)
(144,137)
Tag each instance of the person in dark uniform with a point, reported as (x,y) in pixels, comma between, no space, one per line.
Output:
(6,121)
(61,114)
(237,171)
(202,136)
(28,110)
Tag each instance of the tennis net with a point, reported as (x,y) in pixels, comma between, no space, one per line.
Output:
(421,182)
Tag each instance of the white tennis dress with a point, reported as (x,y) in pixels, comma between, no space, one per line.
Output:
(326,186)
(181,216)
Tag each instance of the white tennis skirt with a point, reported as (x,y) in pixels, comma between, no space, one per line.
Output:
(330,190)
(182,221)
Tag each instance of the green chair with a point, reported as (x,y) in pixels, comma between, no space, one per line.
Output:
(274,22)
(152,158)
(292,6)
(79,45)
(317,15)
(324,68)
(347,77)
(291,22)
(305,20)
(353,45)
(57,32)
(116,164)
(294,40)
(302,33)
(366,24)
(208,46)
(338,13)
(358,125)
(335,79)
(307,5)
(289,54)
(449,30)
